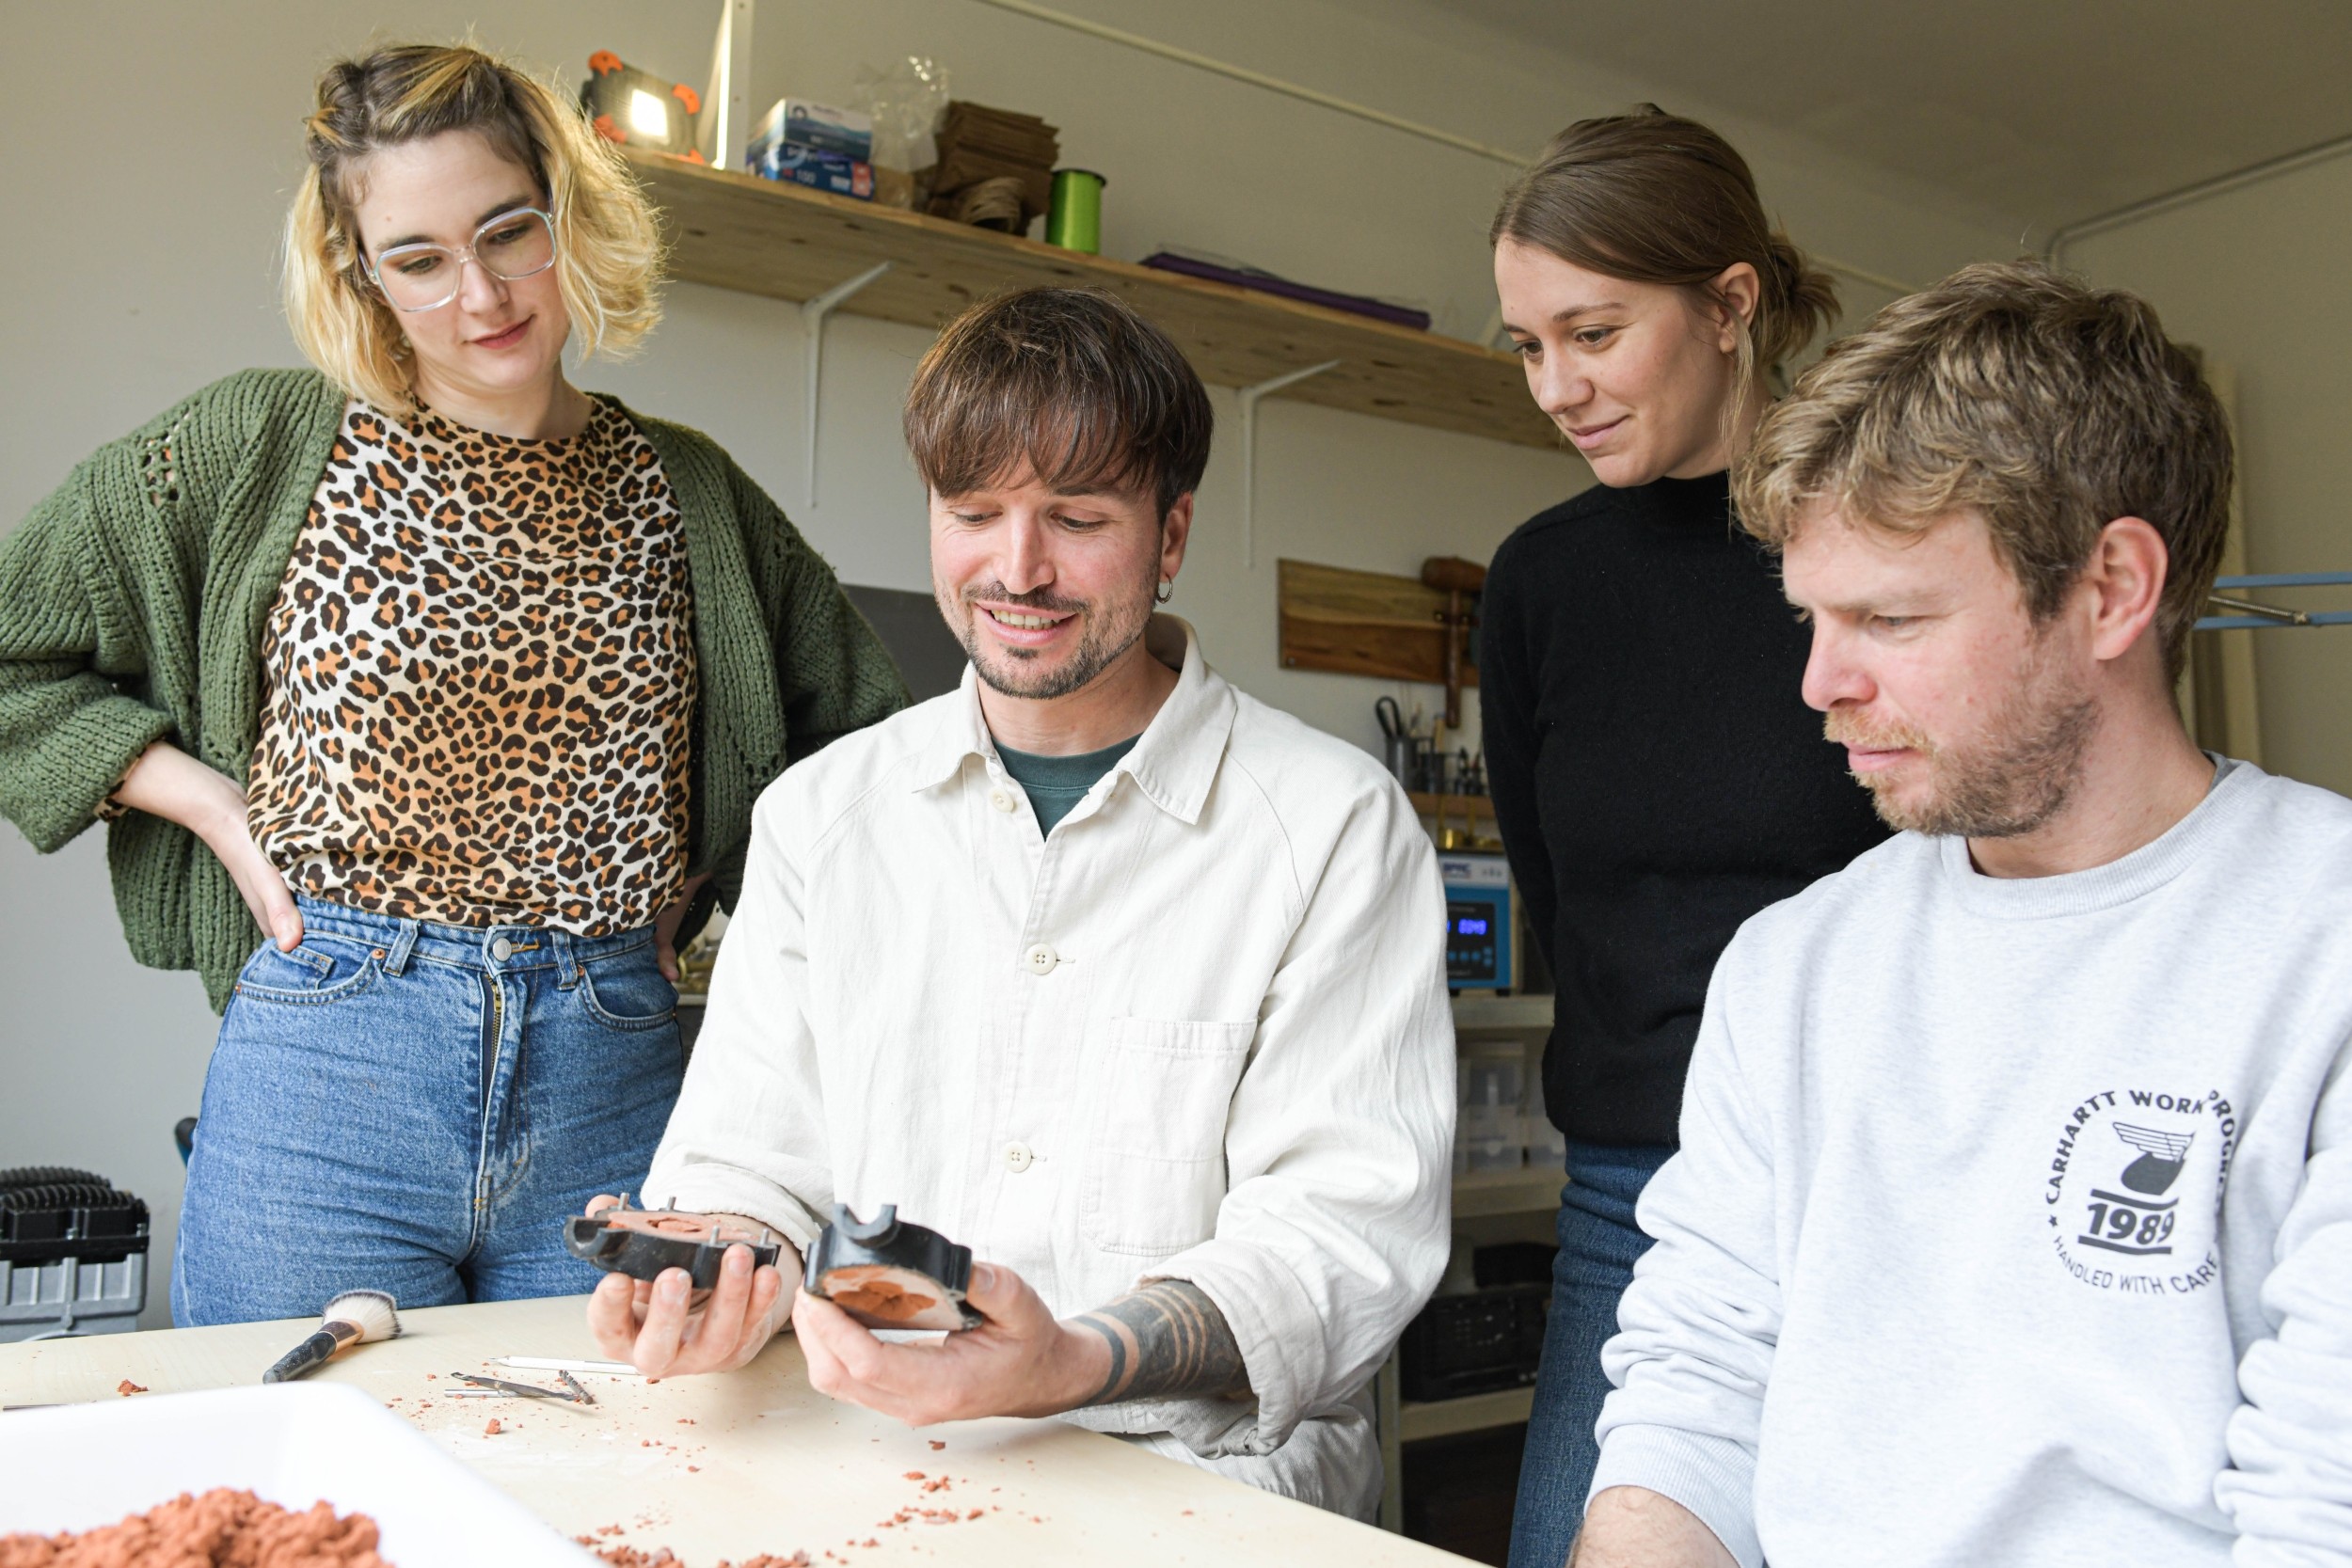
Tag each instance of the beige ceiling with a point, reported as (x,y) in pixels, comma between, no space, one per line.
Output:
(2047,111)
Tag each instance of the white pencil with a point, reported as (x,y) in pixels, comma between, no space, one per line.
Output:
(559,1363)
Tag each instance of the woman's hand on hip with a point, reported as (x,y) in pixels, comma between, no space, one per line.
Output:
(665,926)
(166,781)
(665,1328)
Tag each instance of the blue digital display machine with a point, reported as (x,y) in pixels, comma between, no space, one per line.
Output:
(1478,954)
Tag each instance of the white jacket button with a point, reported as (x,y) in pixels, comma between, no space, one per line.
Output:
(1000,799)
(1017,1157)
(1040,960)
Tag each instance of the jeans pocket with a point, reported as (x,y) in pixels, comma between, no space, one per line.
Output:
(1158,1098)
(628,990)
(324,968)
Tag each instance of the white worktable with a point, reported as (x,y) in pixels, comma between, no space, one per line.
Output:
(747,1462)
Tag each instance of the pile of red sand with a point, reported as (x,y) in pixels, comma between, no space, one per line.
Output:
(220,1529)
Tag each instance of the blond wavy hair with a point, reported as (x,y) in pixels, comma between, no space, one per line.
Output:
(607,247)
(2047,407)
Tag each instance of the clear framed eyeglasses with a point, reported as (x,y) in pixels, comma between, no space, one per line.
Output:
(511,246)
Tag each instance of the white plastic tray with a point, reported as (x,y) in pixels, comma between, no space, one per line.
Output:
(80,1467)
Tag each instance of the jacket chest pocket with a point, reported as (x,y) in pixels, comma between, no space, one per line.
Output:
(1158,1097)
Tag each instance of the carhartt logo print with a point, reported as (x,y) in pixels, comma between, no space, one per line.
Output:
(2140,1223)
(2133,1199)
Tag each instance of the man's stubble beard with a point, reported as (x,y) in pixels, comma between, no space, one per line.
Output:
(2012,784)
(1099,647)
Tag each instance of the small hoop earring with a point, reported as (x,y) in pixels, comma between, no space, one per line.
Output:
(1167,591)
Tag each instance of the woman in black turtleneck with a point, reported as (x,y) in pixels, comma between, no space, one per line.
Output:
(1657,775)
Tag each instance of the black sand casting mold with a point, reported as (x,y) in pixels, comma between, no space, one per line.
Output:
(642,1243)
(890,1274)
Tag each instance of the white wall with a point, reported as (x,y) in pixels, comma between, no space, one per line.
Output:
(153,147)
(2254,278)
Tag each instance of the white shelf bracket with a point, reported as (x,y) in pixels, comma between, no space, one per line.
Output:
(725,130)
(1249,396)
(813,314)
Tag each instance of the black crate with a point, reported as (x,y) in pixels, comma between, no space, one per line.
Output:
(1474,1344)
(52,1212)
(1513,1263)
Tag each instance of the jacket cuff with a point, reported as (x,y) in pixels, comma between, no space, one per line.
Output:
(1279,1332)
(1712,1476)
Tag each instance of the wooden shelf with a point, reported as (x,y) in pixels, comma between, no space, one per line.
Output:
(1470,1413)
(1529,1190)
(789,242)
(1501,1015)
(1352,623)
(1479,808)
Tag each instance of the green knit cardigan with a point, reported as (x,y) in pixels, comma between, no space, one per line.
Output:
(133,602)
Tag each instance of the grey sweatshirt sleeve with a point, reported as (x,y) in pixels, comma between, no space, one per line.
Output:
(2289,1485)
(1697,1328)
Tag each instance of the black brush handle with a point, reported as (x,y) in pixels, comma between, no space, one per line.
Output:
(305,1358)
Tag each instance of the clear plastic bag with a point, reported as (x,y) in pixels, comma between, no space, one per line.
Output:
(906,100)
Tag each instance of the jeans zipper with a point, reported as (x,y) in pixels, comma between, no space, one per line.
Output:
(490,1087)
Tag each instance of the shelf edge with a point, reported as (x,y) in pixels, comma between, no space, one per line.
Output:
(1470,1413)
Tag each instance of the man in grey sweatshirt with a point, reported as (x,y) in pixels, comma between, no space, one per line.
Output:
(2012,1221)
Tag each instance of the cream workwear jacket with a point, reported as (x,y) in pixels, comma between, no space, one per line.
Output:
(1200,1032)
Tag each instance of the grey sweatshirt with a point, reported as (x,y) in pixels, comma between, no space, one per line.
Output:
(2012,1221)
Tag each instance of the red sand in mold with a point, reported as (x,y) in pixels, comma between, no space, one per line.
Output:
(220,1529)
(877,1290)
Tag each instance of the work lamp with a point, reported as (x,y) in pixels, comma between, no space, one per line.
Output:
(637,108)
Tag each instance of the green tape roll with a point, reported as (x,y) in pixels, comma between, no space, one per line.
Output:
(1075,220)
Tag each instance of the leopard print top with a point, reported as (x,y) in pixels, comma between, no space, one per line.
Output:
(479,680)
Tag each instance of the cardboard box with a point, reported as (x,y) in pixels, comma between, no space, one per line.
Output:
(824,171)
(798,123)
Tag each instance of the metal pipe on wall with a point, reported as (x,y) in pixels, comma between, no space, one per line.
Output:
(1257,79)
(2147,207)
(1338,104)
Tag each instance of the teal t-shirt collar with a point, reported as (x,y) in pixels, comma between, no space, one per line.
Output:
(1055,785)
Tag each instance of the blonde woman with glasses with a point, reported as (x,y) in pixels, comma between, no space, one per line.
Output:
(426,698)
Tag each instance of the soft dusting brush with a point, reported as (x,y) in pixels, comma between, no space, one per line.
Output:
(354,1317)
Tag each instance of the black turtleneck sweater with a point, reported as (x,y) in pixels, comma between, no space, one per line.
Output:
(1657,775)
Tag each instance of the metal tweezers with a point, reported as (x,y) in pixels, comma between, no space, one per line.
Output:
(499,1388)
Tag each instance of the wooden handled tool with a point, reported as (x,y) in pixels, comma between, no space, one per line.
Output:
(1456,579)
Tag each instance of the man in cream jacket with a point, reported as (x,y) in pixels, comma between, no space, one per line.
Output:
(1129,982)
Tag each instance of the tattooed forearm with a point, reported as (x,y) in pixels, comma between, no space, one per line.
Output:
(1168,1340)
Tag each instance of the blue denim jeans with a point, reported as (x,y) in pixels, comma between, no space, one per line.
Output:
(409,1107)
(1599,1244)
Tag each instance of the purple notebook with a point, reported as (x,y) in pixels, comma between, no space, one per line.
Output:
(1265,282)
